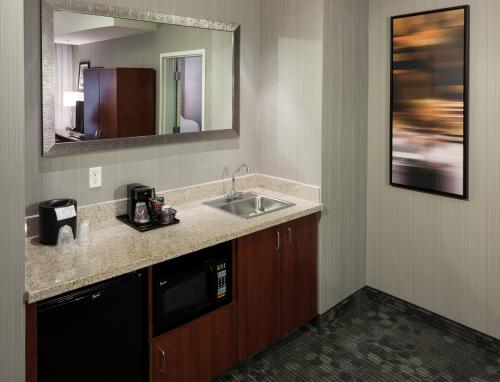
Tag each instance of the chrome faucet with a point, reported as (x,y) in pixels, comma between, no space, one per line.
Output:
(233,194)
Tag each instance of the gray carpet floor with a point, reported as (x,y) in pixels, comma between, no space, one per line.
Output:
(374,337)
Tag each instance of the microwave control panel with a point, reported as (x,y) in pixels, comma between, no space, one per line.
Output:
(221,280)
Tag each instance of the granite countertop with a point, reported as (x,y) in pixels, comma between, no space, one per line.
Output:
(117,248)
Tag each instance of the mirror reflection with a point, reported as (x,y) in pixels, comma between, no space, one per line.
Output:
(120,78)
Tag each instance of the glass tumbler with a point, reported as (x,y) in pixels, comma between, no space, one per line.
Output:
(141,213)
(65,239)
(84,236)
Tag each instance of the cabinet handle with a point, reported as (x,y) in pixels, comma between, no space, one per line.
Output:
(162,362)
(277,240)
(289,235)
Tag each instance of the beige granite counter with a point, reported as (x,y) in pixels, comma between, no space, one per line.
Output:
(117,248)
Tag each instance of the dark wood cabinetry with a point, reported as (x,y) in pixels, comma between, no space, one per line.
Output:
(274,292)
(298,273)
(288,288)
(257,270)
(119,103)
(31,343)
(197,351)
(277,283)
(306,250)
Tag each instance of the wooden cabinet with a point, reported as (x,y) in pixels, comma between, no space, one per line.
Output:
(274,292)
(31,343)
(277,283)
(306,250)
(119,103)
(198,350)
(257,297)
(288,288)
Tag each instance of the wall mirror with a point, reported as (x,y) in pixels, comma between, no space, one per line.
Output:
(114,77)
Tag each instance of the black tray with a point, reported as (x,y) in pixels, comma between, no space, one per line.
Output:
(147,227)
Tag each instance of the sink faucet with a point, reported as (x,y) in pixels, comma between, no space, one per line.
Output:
(232,195)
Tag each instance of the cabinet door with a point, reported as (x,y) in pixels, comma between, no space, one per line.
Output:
(257,300)
(197,351)
(108,104)
(287,280)
(305,236)
(136,102)
(224,349)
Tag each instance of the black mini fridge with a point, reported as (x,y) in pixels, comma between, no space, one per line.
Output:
(97,334)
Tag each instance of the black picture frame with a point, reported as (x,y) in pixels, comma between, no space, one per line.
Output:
(83,65)
(466,67)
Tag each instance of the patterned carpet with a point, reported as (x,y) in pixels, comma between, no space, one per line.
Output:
(374,337)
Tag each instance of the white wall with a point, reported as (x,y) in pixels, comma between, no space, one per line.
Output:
(439,253)
(166,166)
(11,192)
(344,139)
(312,126)
(291,64)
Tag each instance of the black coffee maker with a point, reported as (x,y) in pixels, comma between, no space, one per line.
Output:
(140,210)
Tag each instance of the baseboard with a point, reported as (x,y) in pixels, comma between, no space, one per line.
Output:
(339,309)
(454,328)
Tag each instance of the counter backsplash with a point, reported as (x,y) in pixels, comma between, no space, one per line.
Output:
(102,212)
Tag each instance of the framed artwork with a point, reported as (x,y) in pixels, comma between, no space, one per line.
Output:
(429,101)
(83,65)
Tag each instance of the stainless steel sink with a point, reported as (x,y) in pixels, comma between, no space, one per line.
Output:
(250,205)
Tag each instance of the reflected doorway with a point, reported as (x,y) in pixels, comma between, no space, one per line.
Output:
(182,95)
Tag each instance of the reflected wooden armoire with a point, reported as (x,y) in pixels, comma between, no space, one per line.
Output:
(119,103)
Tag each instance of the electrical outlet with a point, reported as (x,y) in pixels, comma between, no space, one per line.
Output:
(95,177)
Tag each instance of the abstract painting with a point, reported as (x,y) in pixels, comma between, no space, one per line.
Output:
(429,101)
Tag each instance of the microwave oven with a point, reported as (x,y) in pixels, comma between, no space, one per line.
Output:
(190,286)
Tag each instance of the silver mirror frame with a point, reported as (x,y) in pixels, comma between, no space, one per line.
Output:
(49,146)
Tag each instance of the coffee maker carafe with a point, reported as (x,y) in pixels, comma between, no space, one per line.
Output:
(140,211)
